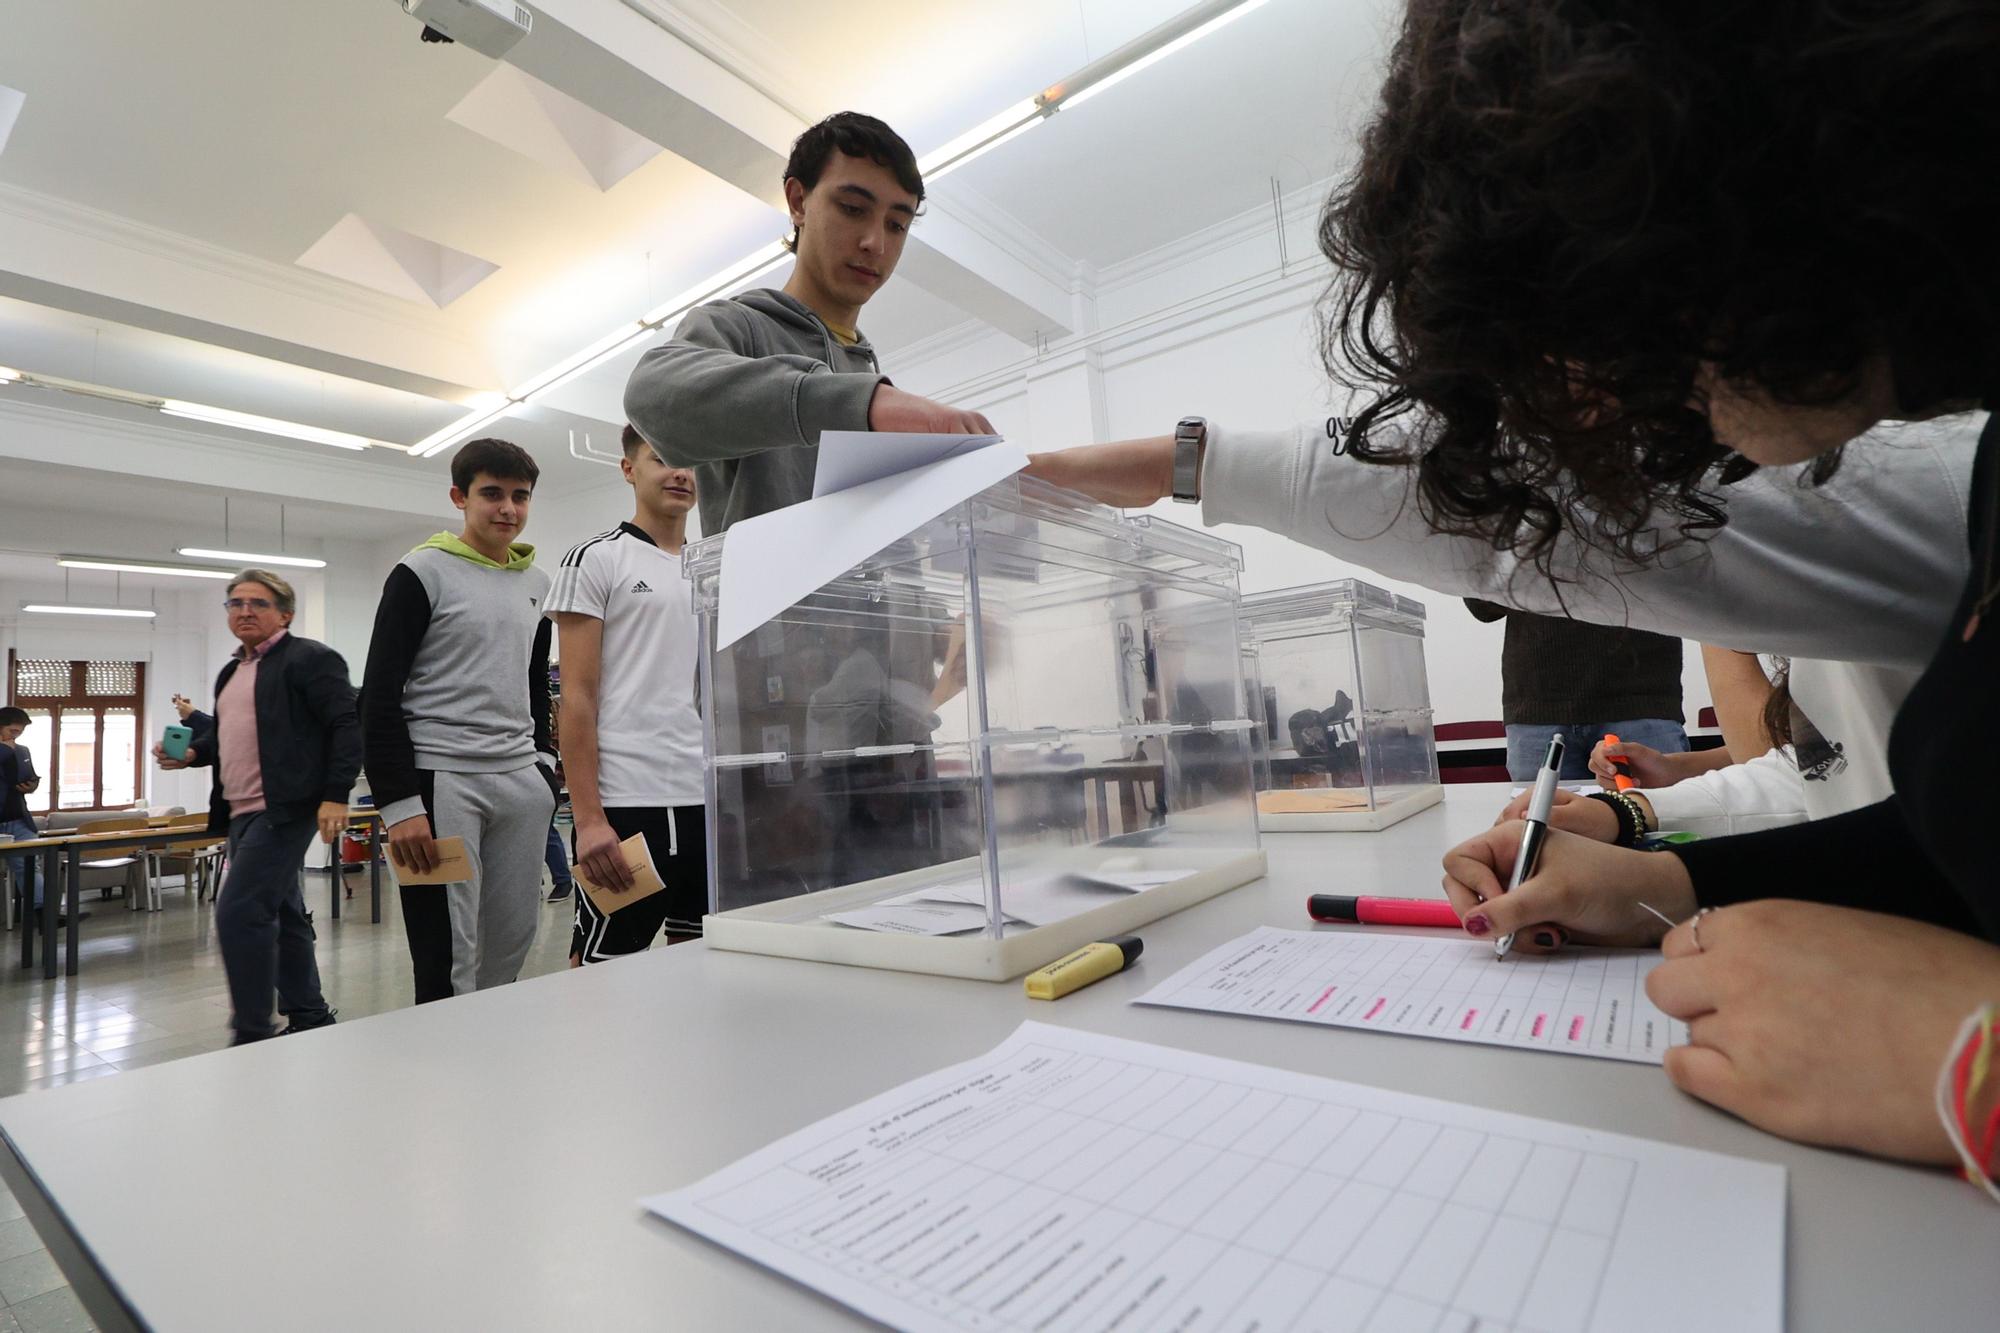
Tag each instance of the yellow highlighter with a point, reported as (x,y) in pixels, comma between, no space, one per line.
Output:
(1093,962)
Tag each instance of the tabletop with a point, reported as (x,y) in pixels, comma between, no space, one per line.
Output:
(477,1163)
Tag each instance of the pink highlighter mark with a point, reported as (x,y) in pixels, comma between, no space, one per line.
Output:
(1576,1028)
(1324,996)
(1380,1004)
(1465,1023)
(1541,1024)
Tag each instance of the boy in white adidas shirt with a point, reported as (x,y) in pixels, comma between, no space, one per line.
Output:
(631,736)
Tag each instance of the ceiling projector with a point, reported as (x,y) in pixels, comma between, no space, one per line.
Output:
(490,27)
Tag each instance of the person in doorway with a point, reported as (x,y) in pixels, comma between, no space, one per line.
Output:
(746,385)
(286,748)
(455,716)
(631,732)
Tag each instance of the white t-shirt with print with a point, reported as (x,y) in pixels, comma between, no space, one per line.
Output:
(648,730)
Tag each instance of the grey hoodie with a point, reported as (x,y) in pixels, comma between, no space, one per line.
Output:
(741,394)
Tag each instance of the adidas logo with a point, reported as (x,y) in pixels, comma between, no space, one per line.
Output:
(640,586)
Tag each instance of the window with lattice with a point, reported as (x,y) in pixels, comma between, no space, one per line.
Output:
(38,678)
(112,678)
(85,731)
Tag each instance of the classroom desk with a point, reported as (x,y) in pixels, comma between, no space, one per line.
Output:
(475,1164)
(370,816)
(69,848)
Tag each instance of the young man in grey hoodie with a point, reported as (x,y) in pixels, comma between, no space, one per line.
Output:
(455,725)
(746,385)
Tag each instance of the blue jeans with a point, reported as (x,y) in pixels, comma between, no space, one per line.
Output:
(1528,743)
(557,857)
(22,867)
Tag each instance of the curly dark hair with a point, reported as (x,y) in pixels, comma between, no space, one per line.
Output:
(1563,208)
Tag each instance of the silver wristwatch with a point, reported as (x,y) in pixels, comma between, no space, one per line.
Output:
(1190,438)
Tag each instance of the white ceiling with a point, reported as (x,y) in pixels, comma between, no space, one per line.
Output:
(203,146)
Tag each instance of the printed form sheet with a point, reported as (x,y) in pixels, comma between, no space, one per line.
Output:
(1071,1181)
(1582,1002)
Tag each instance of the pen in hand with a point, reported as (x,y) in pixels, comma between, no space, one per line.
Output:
(1537,830)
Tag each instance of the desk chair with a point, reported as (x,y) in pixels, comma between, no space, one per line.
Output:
(132,863)
(194,862)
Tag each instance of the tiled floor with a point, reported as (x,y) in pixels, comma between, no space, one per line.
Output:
(150,988)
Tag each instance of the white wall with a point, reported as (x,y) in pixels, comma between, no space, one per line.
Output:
(1213,327)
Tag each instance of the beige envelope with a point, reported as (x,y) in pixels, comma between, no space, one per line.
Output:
(1310,801)
(646,880)
(453,865)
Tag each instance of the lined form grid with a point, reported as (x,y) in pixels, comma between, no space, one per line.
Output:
(1581,1002)
(1083,1192)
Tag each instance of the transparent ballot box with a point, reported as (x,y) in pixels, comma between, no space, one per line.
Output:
(1345,722)
(1018,729)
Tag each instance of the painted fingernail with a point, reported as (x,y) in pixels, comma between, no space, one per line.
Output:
(1546,938)
(1477,925)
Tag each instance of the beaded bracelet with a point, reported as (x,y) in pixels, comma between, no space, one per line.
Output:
(1964,1073)
(1631,816)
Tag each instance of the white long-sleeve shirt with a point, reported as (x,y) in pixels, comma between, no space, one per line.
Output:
(1765,792)
(1863,569)
(1854,581)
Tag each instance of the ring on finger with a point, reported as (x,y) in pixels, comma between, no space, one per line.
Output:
(1694,927)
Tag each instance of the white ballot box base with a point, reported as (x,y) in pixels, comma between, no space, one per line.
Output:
(795,927)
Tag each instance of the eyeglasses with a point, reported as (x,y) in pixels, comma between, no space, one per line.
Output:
(246,604)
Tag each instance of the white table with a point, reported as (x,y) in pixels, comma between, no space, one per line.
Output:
(474,1164)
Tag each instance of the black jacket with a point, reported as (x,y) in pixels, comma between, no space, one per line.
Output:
(308,734)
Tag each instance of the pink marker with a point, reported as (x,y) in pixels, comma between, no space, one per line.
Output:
(1382,911)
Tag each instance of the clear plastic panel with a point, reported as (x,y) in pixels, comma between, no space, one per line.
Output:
(1346,715)
(1023,707)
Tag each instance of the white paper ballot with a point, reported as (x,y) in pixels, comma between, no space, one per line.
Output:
(772,560)
(1071,1181)
(1583,1002)
(849,458)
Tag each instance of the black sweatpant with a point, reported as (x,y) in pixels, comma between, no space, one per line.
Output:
(677,838)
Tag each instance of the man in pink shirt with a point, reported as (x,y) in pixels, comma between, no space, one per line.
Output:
(286,747)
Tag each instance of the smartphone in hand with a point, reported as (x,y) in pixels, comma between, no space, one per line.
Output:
(174,741)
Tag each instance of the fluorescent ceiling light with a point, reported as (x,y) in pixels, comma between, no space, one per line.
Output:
(214,416)
(439,440)
(222,416)
(1177,34)
(984,137)
(140,567)
(252,557)
(131,611)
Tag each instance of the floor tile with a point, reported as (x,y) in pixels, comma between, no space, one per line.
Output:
(28,1276)
(55,1312)
(10,1207)
(17,1238)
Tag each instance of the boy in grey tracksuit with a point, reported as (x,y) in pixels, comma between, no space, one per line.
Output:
(455,724)
(744,388)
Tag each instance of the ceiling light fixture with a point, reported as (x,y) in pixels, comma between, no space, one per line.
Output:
(251,557)
(214,416)
(141,567)
(1176,34)
(222,416)
(44,609)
